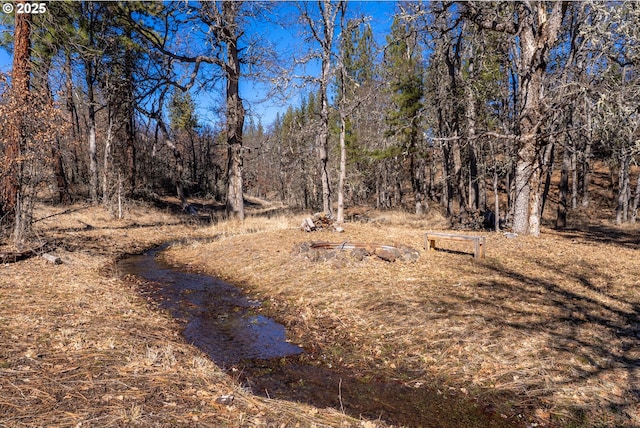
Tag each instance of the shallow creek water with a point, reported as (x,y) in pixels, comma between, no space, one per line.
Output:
(220,320)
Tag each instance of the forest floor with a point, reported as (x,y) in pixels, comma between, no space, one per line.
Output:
(543,332)
(82,347)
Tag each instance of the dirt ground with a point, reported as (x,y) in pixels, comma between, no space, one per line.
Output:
(545,331)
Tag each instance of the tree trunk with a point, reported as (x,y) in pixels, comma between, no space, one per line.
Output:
(586,160)
(536,38)
(447,190)
(11,204)
(563,188)
(93,154)
(56,147)
(496,202)
(106,163)
(474,190)
(130,126)
(343,167)
(327,9)
(622,211)
(636,202)
(71,105)
(549,160)
(418,183)
(235,116)
(586,174)
(574,178)
(524,181)
(459,183)
(323,145)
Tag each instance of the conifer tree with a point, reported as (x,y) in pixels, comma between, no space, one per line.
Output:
(11,199)
(404,72)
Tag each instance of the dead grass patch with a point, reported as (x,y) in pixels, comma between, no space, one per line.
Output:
(81,347)
(552,322)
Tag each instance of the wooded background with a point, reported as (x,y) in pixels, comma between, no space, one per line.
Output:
(468,106)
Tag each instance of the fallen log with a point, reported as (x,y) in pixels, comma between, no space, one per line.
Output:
(16,256)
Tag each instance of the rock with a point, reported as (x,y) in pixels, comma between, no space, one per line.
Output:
(226,400)
(388,254)
(409,254)
(359,254)
(52,259)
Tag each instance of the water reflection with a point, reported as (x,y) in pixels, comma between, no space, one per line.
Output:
(218,318)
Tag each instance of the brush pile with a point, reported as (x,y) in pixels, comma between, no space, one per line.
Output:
(320,221)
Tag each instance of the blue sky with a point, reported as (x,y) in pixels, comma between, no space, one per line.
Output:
(379,12)
(5,61)
(380,15)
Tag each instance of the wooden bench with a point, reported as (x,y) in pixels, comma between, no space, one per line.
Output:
(430,239)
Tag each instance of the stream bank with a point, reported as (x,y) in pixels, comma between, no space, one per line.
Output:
(222,321)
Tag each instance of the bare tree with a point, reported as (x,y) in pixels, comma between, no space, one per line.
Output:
(616,90)
(534,26)
(323,33)
(221,25)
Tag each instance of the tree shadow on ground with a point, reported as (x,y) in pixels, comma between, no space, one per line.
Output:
(604,234)
(581,320)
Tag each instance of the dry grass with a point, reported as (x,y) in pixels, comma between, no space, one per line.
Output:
(81,347)
(551,325)
(548,327)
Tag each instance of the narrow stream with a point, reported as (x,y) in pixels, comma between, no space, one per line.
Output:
(224,323)
(218,318)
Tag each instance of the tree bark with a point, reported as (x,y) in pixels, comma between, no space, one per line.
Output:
(549,165)
(328,11)
(563,188)
(323,139)
(536,38)
(107,162)
(586,173)
(12,205)
(129,113)
(622,210)
(10,183)
(92,147)
(235,115)
(496,202)
(474,188)
(636,202)
(460,186)
(343,168)
(574,178)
